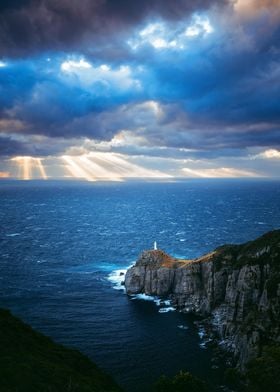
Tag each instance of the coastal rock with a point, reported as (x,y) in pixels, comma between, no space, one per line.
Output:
(237,286)
(152,274)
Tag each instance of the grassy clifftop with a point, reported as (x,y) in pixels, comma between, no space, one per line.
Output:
(32,362)
(263,250)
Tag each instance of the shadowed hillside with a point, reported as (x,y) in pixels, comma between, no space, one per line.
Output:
(32,362)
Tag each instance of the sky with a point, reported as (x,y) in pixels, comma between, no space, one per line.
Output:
(120,89)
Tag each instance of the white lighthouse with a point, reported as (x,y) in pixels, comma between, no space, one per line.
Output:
(155,245)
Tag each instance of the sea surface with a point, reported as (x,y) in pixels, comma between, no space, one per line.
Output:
(64,244)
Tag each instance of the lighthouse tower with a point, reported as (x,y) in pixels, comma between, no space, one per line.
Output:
(155,245)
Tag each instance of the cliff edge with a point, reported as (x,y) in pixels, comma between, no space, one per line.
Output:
(237,286)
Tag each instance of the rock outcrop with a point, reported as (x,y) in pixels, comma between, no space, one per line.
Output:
(237,286)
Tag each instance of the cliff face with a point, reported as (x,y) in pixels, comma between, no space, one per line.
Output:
(238,286)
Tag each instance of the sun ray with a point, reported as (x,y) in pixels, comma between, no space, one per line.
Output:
(4,174)
(220,172)
(125,168)
(41,169)
(107,166)
(98,170)
(111,164)
(24,166)
(76,170)
(27,166)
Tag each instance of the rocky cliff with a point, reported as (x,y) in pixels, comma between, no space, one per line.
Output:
(236,286)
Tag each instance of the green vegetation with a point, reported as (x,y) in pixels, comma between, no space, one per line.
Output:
(263,250)
(234,379)
(31,362)
(262,375)
(182,382)
(263,372)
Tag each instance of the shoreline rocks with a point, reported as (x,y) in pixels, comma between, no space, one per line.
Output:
(236,287)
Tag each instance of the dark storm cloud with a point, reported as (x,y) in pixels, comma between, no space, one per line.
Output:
(32,26)
(219,95)
(38,98)
(10,147)
(13,4)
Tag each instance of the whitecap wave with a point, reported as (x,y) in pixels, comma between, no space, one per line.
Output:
(201,332)
(159,301)
(204,343)
(205,340)
(183,327)
(165,305)
(145,297)
(166,310)
(117,278)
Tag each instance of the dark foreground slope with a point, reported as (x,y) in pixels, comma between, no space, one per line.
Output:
(31,362)
(237,286)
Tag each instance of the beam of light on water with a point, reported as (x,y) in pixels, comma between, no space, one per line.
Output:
(28,166)
(107,166)
(41,169)
(76,170)
(99,170)
(125,168)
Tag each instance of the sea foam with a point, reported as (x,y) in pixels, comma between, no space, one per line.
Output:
(166,310)
(144,297)
(117,277)
(13,234)
(182,327)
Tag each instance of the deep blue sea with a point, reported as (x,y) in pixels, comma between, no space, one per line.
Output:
(61,243)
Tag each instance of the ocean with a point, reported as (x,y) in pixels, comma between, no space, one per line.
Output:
(64,244)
